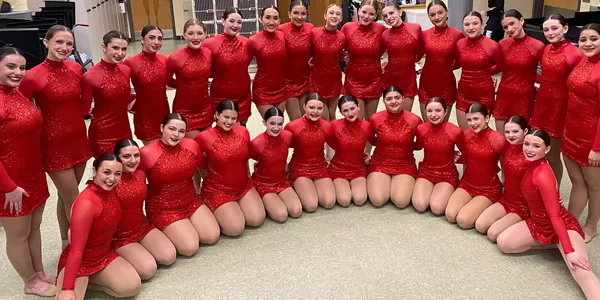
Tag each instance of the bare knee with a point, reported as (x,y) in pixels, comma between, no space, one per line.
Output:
(451,215)
(211,235)
(295,210)
(233,228)
(464,222)
(328,200)
(378,199)
(359,200)
(255,219)
(504,244)
(166,256)
(344,199)
(493,234)
(188,248)
(311,205)
(279,215)
(437,208)
(420,205)
(146,269)
(481,226)
(128,286)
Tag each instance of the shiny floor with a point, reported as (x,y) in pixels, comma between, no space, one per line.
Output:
(341,253)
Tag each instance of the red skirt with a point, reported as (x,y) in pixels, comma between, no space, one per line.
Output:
(63,150)
(513,103)
(392,167)
(295,88)
(163,217)
(136,234)
(404,78)
(363,81)
(437,174)
(343,170)
(89,266)
(267,185)
(309,168)
(105,145)
(214,195)
(515,204)
(493,193)
(545,234)
(437,85)
(471,93)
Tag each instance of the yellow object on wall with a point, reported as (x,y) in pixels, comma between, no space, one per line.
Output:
(156,12)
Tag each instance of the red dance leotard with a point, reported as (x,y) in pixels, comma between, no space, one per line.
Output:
(149,78)
(56,88)
(516,92)
(437,78)
(192,70)
(297,48)
(325,74)
(482,152)
(437,142)
(514,166)
(582,125)
(169,169)
(94,219)
(271,153)
(269,82)
(363,72)
(108,85)
(20,158)
(476,57)
(308,159)
(134,226)
(394,145)
(227,154)
(404,45)
(549,221)
(550,108)
(349,141)
(231,81)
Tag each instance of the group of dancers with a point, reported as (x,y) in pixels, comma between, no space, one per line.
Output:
(193,178)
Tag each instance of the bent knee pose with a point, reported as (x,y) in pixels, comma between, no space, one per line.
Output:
(437,177)
(392,169)
(347,168)
(89,260)
(55,85)
(136,239)
(270,150)
(23,186)
(549,222)
(479,187)
(227,189)
(172,204)
(511,207)
(307,168)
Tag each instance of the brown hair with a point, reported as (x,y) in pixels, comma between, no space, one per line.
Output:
(56,29)
(373,3)
(192,22)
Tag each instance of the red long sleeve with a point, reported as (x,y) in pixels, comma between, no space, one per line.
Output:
(7,185)
(493,50)
(192,146)
(87,92)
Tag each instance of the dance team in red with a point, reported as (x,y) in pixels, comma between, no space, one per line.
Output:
(145,205)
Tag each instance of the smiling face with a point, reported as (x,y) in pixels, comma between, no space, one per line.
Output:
(534,148)
(589,42)
(152,41)
(391,15)
(435,113)
(274,125)
(108,174)
(366,15)
(12,70)
(513,27)
(130,158)
(472,26)
(298,15)
(314,109)
(173,132)
(232,25)
(554,31)
(438,15)
(514,134)
(393,102)
(194,35)
(226,119)
(115,51)
(60,46)
(477,121)
(350,111)
(270,20)
(333,16)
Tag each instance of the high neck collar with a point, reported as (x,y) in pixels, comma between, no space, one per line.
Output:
(268,34)
(365,27)
(297,28)
(536,163)
(441,29)
(6,89)
(53,63)
(147,55)
(165,146)
(483,132)
(560,44)
(98,189)
(440,125)
(395,115)
(229,37)
(223,131)
(309,120)
(329,31)
(399,27)
(189,50)
(521,39)
(476,39)
(106,65)
(594,59)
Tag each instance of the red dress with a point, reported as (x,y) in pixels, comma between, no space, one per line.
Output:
(171,193)
(231,81)
(437,142)
(192,70)
(437,77)
(149,78)
(109,85)
(348,141)
(271,153)
(363,72)
(550,109)
(134,226)
(325,74)
(394,145)
(269,82)
(227,154)
(476,57)
(308,159)
(514,165)
(94,219)
(297,48)
(56,88)
(582,125)
(482,152)
(549,221)
(20,158)
(516,92)
(404,45)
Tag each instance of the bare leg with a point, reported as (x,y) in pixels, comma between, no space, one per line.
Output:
(489,216)
(252,207)
(422,194)
(379,188)
(579,190)
(67,185)
(516,239)
(275,207)
(499,226)
(119,279)
(81,284)
(294,106)
(471,211)
(332,106)
(362,109)
(457,201)
(423,110)
(401,190)
(554,159)
(305,188)
(292,202)
(160,247)
(343,193)
(325,191)
(371,107)
(461,118)
(262,109)
(140,259)
(206,225)
(183,236)
(500,125)
(587,281)
(230,218)
(448,111)
(408,103)
(35,240)
(359,190)
(440,196)
(591,175)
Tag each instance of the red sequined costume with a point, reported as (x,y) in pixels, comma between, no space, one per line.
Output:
(325,74)
(56,88)
(94,219)
(149,78)
(308,158)
(192,69)
(394,145)
(514,166)
(516,92)
(549,221)
(476,57)
(298,51)
(271,153)
(363,71)
(437,142)
(482,152)
(227,154)
(269,83)
(404,45)
(550,109)
(169,169)
(20,158)
(134,226)
(348,141)
(108,85)
(437,78)
(231,81)
(582,125)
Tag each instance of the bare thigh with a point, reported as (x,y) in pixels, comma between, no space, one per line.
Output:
(292,202)
(378,188)
(461,118)
(275,207)
(184,237)
(456,202)
(489,216)
(359,190)
(423,109)
(81,284)
(442,191)
(516,239)
(371,107)
(230,219)
(471,211)
(422,194)
(118,279)
(499,226)
(253,208)
(192,134)
(325,192)
(332,106)
(401,190)
(140,259)
(206,225)
(305,188)
(343,193)
(160,247)
(408,103)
